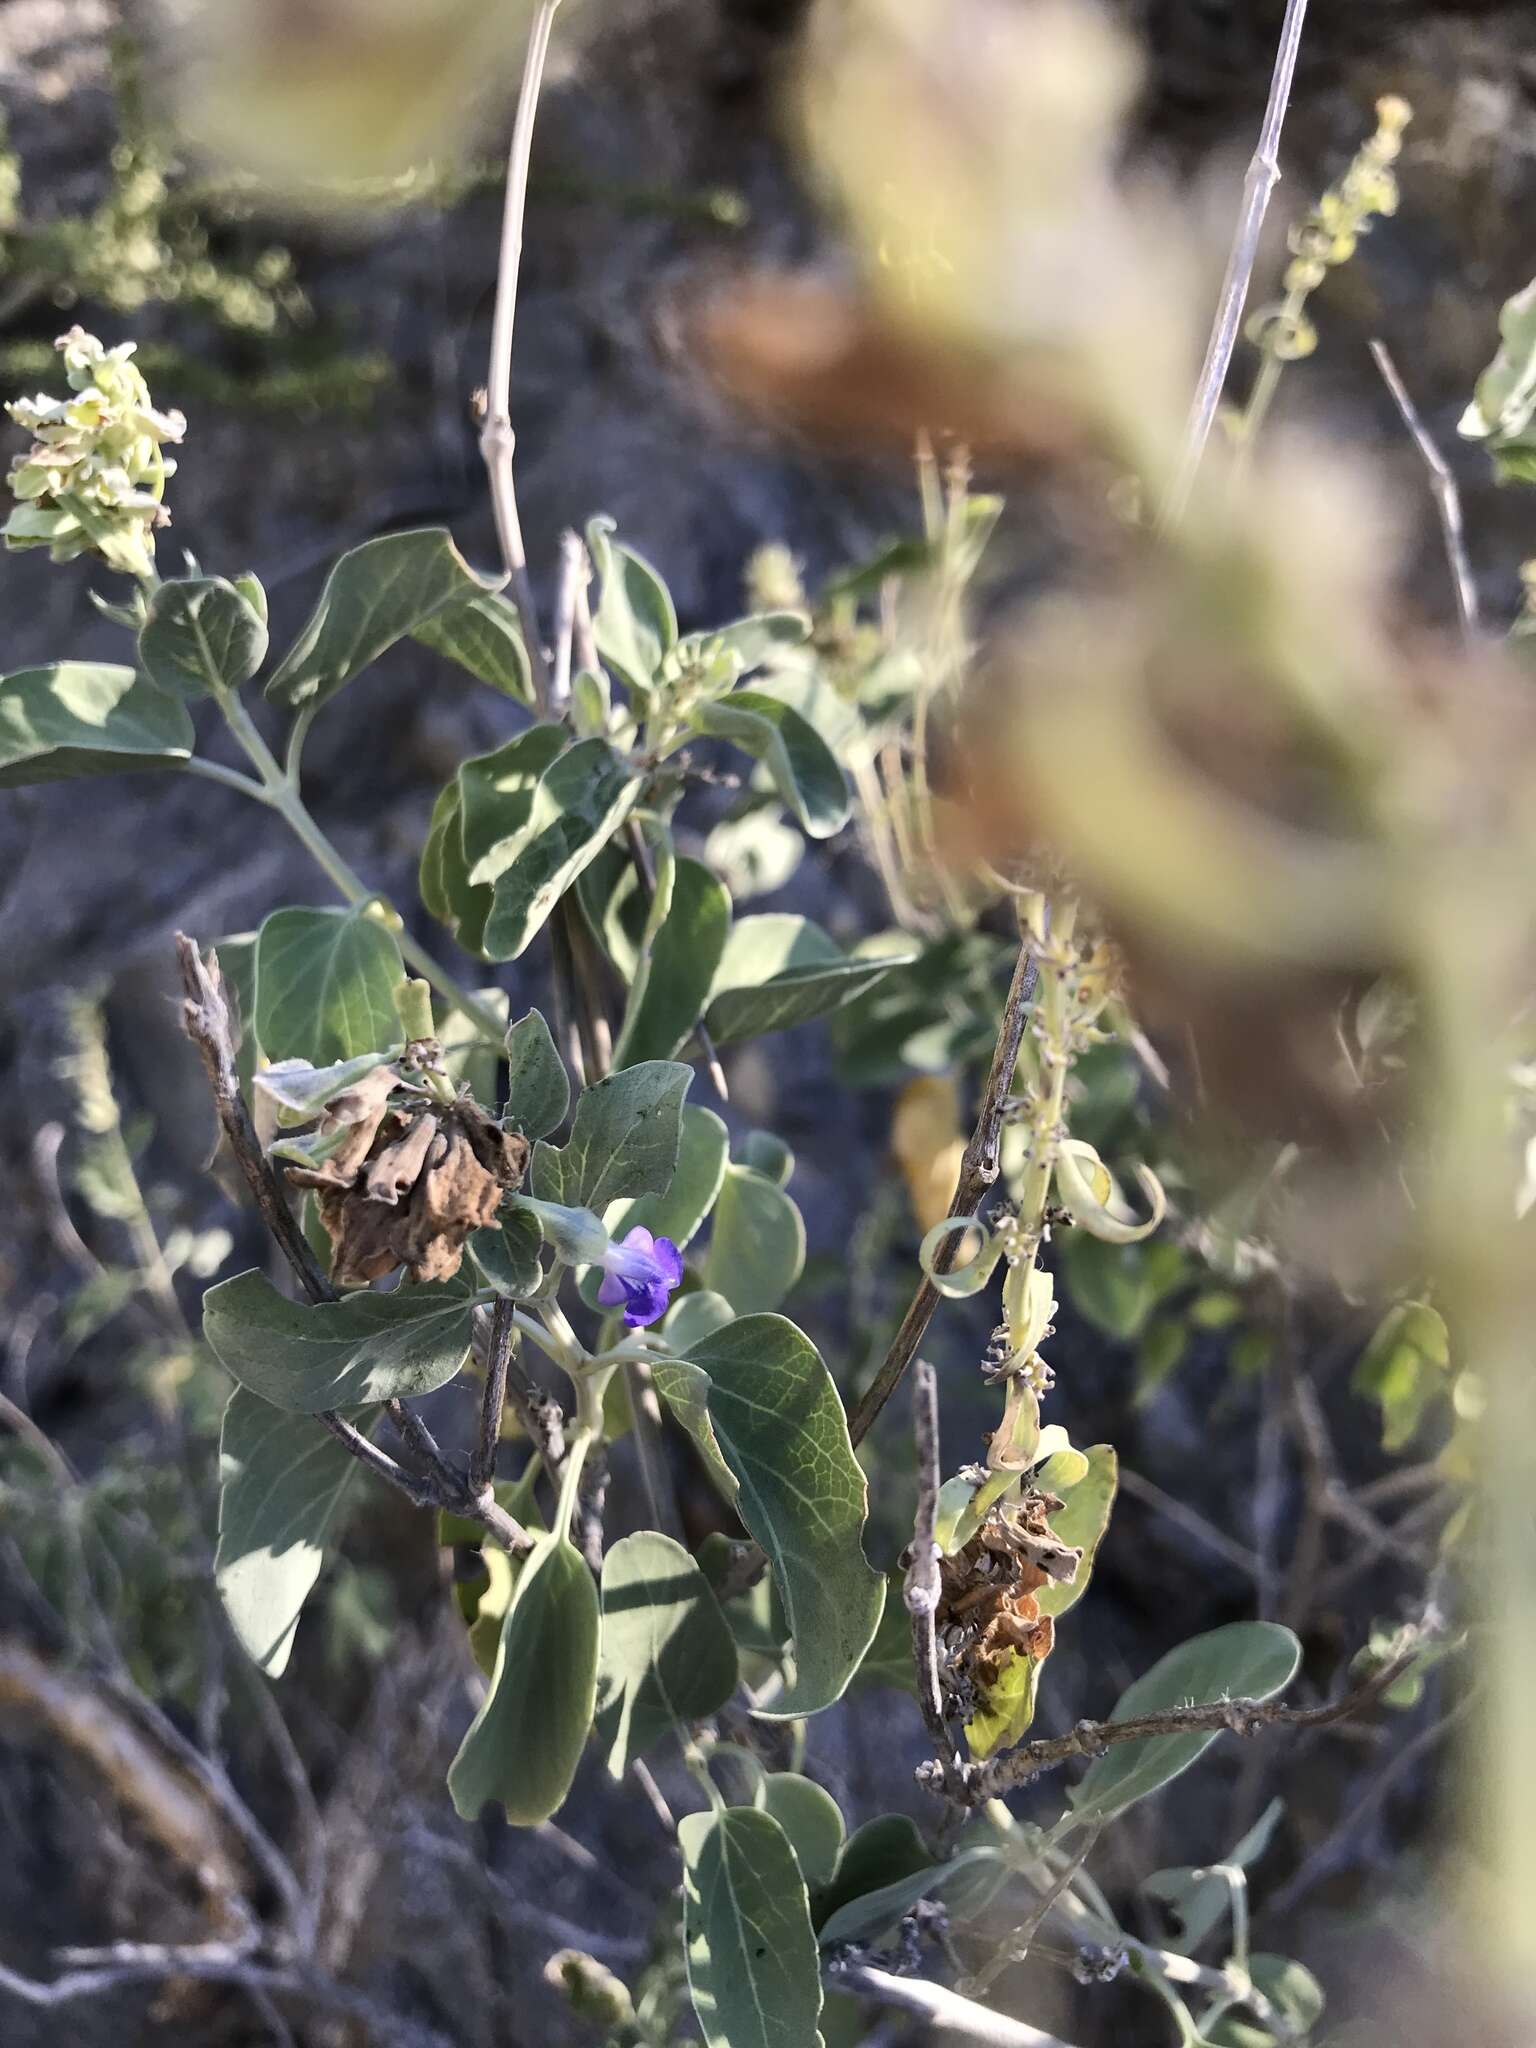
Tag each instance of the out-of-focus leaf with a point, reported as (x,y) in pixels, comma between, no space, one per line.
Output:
(1405,1365)
(1080,1522)
(756,1243)
(882,1852)
(804,769)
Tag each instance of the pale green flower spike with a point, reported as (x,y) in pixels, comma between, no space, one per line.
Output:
(95,474)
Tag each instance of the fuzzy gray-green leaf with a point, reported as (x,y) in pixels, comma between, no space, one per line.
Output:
(668,1655)
(804,769)
(524,1745)
(756,1242)
(201,636)
(538,1087)
(624,1141)
(752,1966)
(374,596)
(483,636)
(1245,1660)
(342,1354)
(782,1432)
(778,970)
(87,718)
(325,985)
(676,969)
(581,801)
(281,1479)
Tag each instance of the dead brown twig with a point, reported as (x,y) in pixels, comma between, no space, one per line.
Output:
(979,1168)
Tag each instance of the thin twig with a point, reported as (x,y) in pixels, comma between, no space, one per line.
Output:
(979,1168)
(573,574)
(958,2018)
(1232,1717)
(496,440)
(1443,489)
(1191,1522)
(923,1584)
(482,1466)
(1261,180)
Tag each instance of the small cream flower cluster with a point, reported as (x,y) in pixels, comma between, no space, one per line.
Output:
(95,474)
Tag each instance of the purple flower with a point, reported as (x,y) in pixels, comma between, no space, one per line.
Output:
(641,1272)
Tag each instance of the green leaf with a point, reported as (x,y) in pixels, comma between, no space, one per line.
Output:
(538,1087)
(685,1389)
(781,1430)
(625,1139)
(694,1186)
(872,1913)
(634,622)
(677,969)
(810,1817)
(769,1156)
(1247,1660)
(443,877)
(1404,1366)
(746,644)
(508,1253)
(470,1059)
(888,1660)
(580,803)
(483,636)
(694,1316)
(375,596)
(1504,408)
(668,1656)
(281,1480)
(882,1852)
(301,1090)
(1290,1988)
(524,1745)
(87,718)
(336,1354)
(201,636)
(756,1242)
(497,795)
(804,770)
(1004,1715)
(1081,1521)
(1113,1285)
(1202,1898)
(678,1213)
(778,970)
(752,1967)
(325,985)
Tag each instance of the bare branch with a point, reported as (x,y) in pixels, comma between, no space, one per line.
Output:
(922,1588)
(1263,176)
(958,2017)
(503,1334)
(496,439)
(1443,489)
(1231,1717)
(979,1169)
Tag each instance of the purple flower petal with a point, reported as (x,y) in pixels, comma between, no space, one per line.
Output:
(669,1259)
(639,1240)
(612,1290)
